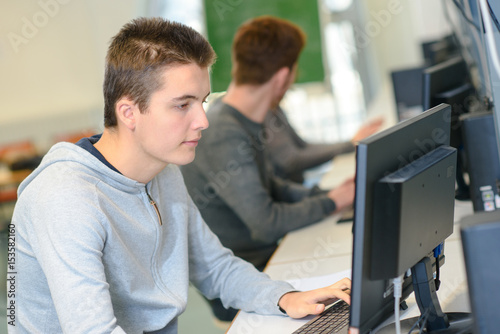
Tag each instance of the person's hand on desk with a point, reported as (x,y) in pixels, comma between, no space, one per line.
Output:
(343,195)
(313,302)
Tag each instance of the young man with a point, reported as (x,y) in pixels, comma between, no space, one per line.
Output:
(231,180)
(107,237)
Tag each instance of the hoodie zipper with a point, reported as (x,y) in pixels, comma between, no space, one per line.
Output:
(153,203)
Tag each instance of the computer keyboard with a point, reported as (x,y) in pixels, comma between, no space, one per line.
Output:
(331,320)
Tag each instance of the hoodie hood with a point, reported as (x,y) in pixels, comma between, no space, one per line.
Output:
(85,162)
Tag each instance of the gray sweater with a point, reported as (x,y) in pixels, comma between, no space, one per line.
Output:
(232,182)
(91,256)
(290,154)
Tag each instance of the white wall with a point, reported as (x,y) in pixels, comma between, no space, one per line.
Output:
(52,63)
(393,31)
(410,22)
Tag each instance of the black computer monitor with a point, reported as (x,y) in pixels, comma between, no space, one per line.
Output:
(441,78)
(407,86)
(480,234)
(437,51)
(412,212)
(397,150)
(449,82)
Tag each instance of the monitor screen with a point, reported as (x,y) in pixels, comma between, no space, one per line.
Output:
(443,77)
(407,86)
(378,156)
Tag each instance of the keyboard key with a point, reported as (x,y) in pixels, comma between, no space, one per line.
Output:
(330,320)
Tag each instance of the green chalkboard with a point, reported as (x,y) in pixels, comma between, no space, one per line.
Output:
(223,17)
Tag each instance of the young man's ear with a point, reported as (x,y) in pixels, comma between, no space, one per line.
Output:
(282,76)
(126,112)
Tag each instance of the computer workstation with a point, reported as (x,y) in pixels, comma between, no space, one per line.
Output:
(364,315)
(451,81)
(447,82)
(404,210)
(425,137)
(472,131)
(458,70)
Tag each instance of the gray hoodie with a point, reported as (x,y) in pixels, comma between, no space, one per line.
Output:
(92,257)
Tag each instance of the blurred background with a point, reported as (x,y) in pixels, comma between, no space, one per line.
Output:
(52,55)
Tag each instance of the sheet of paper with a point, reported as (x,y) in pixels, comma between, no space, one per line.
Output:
(311,283)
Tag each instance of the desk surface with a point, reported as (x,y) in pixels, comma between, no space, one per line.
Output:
(324,249)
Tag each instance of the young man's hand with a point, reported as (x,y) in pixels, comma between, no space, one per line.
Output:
(343,195)
(301,304)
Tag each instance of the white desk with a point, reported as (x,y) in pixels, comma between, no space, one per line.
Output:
(325,248)
(322,240)
(314,251)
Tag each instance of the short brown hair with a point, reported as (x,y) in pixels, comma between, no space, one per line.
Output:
(138,54)
(262,46)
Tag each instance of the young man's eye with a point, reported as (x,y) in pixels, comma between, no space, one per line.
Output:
(183,106)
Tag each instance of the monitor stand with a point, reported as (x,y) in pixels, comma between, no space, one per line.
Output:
(428,303)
